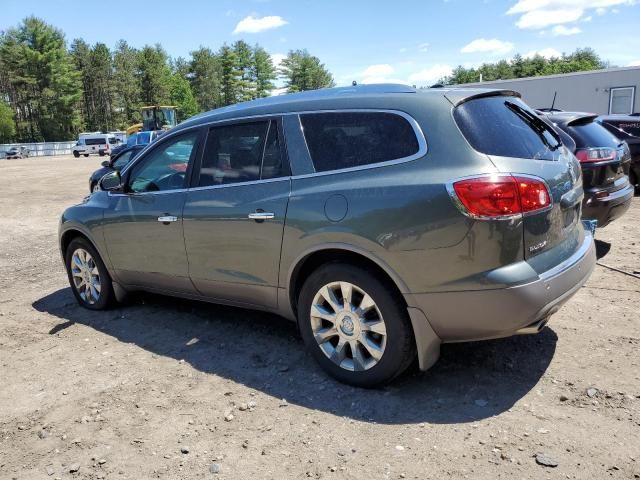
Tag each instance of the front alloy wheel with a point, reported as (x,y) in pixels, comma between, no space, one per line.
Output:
(86,277)
(348,326)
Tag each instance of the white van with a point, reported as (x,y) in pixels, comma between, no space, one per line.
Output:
(94,143)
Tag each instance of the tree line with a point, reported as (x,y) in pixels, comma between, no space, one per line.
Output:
(50,91)
(533,66)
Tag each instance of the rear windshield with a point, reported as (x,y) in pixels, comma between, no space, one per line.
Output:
(632,128)
(95,141)
(507,127)
(591,134)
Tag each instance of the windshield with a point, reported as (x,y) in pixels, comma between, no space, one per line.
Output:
(507,128)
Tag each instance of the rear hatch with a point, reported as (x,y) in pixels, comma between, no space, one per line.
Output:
(518,142)
(605,160)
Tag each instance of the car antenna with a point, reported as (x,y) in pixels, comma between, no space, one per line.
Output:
(554,100)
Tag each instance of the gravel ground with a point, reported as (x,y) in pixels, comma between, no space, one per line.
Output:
(163,388)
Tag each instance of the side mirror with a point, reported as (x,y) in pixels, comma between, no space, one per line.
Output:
(105,163)
(111,182)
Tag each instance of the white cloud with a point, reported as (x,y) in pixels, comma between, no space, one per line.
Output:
(423,47)
(428,76)
(635,63)
(492,46)
(276,58)
(538,14)
(561,30)
(545,52)
(378,70)
(253,24)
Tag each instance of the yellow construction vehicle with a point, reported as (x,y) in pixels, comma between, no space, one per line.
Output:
(155,117)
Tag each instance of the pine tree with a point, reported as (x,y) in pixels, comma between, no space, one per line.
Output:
(7,123)
(302,71)
(154,75)
(245,68)
(127,99)
(264,72)
(230,78)
(205,75)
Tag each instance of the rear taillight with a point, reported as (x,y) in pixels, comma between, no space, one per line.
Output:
(495,196)
(589,155)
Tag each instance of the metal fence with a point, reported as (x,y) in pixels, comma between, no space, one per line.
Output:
(44,148)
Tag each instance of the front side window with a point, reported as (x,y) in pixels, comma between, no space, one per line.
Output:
(241,153)
(339,140)
(165,167)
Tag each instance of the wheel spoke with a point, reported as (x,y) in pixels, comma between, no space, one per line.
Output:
(359,361)
(318,311)
(347,292)
(76,259)
(366,303)
(340,351)
(330,296)
(375,327)
(374,350)
(325,334)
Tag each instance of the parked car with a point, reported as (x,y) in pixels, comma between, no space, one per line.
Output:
(117,162)
(627,129)
(383,219)
(605,162)
(140,138)
(16,152)
(97,143)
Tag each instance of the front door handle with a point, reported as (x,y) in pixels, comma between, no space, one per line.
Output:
(166,219)
(261,216)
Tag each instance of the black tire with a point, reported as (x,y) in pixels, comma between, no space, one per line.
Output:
(101,153)
(107,297)
(399,351)
(86,154)
(76,154)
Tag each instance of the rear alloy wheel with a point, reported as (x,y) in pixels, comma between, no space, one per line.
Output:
(89,279)
(354,325)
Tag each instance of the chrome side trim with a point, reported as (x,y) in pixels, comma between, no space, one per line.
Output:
(239,184)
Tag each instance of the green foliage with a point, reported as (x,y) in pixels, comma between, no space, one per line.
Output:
(182,96)
(7,123)
(204,74)
(40,81)
(519,67)
(302,71)
(50,93)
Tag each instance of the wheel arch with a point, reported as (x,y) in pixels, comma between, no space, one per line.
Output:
(314,258)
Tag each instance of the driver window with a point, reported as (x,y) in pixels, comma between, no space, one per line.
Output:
(165,167)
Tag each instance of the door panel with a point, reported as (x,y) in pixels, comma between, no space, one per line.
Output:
(232,257)
(144,251)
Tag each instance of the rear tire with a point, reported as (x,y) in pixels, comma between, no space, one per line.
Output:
(76,154)
(365,339)
(86,154)
(89,279)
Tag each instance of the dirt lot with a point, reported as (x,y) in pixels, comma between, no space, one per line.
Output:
(172,389)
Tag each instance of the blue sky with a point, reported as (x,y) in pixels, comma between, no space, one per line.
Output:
(409,41)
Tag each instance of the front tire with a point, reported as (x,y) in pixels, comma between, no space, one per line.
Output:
(76,154)
(355,325)
(89,279)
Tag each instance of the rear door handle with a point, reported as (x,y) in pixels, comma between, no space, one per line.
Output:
(167,219)
(261,216)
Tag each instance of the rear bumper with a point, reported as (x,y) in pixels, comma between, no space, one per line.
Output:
(607,209)
(483,314)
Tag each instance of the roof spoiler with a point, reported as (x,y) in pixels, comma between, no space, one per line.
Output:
(487,93)
(586,118)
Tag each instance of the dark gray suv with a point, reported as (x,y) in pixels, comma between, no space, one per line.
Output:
(382,219)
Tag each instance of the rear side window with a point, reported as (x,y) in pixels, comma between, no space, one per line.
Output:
(351,139)
(591,134)
(95,141)
(242,152)
(507,127)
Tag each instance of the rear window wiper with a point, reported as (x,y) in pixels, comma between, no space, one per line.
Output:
(536,124)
